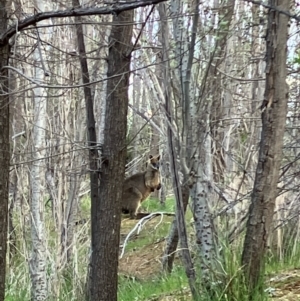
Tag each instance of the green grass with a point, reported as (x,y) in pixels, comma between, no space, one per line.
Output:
(152,205)
(290,258)
(176,283)
(175,286)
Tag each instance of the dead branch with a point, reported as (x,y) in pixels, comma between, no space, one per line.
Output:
(114,8)
(138,227)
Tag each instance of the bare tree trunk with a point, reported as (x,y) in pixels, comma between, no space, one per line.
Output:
(179,232)
(91,135)
(71,209)
(37,266)
(155,135)
(106,211)
(38,257)
(201,195)
(180,212)
(213,89)
(12,240)
(273,116)
(4,151)
(16,133)
(173,238)
(102,94)
(201,190)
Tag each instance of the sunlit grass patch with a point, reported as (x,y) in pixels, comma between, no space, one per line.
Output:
(171,287)
(153,205)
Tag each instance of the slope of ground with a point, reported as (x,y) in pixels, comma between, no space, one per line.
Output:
(141,276)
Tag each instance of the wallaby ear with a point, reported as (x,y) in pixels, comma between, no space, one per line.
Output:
(150,157)
(158,157)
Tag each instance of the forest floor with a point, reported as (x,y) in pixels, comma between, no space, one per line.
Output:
(142,258)
(141,263)
(285,285)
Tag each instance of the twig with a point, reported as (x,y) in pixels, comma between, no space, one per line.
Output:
(143,26)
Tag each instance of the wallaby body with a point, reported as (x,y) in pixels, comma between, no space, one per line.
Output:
(138,187)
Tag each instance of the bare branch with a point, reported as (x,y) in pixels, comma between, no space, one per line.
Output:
(33,81)
(276,8)
(143,26)
(73,12)
(143,115)
(138,227)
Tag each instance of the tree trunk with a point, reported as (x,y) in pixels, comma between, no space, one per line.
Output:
(201,194)
(91,135)
(179,232)
(106,211)
(37,264)
(38,256)
(173,238)
(202,160)
(273,116)
(4,151)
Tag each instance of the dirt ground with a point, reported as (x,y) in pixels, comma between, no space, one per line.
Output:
(144,262)
(285,285)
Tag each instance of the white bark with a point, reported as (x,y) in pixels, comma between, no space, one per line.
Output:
(102,95)
(38,257)
(39,291)
(201,193)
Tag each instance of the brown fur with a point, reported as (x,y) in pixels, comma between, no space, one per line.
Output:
(138,187)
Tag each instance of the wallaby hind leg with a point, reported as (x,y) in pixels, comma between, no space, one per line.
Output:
(131,201)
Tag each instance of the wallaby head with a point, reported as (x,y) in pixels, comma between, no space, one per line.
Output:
(153,162)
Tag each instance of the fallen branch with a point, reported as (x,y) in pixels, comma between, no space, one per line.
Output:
(142,222)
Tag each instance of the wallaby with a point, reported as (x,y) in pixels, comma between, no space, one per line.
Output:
(138,187)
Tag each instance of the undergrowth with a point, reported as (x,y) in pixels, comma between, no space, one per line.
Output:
(140,272)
